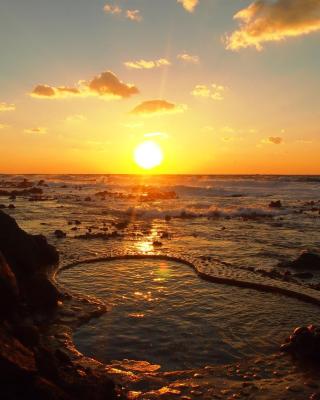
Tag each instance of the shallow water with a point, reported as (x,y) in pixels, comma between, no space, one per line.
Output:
(163,313)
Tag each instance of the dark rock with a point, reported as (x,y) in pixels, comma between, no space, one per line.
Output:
(28,334)
(26,254)
(9,291)
(15,359)
(303,275)
(2,206)
(87,198)
(306,260)
(11,206)
(157,243)
(58,233)
(42,294)
(304,343)
(275,204)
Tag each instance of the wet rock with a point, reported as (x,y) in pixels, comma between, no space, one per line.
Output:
(303,275)
(306,260)
(304,343)
(26,254)
(59,234)
(275,204)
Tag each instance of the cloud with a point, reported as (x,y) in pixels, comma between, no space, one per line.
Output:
(132,15)
(106,85)
(7,107)
(188,58)
(215,92)
(161,135)
(273,140)
(38,130)
(147,64)
(271,21)
(47,91)
(156,107)
(4,126)
(189,5)
(112,9)
(76,118)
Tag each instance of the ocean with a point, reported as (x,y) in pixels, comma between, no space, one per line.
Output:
(160,310)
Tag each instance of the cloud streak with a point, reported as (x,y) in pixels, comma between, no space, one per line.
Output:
(273,21)
(189,5)
(7,107)
(147,64)
(157,107)
(188,58)
(214,91)
(132,15)
(106,85)
(38,130)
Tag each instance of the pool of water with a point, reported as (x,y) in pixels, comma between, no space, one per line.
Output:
(163,313)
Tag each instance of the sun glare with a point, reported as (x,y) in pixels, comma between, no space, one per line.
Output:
(148,155)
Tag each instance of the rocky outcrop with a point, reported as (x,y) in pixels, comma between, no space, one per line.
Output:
(29,367)
(29,257)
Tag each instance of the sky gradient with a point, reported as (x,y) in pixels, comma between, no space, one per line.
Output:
(224,86)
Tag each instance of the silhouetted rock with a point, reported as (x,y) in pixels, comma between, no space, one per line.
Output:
(305,261)
(9,291)
(275,204)
(304,342)
(58,233)
(26,254)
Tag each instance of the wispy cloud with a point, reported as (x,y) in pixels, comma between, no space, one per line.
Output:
(106,85)
(37,130)
(147,64)
(134,15)
(4,126)
(271,21)
(156,107)
(188,58)
(273,140)
(7,107)
(76,118)
(114,9)
(214,91)
(189,5)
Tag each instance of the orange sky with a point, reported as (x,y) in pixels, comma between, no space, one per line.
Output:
(222,87)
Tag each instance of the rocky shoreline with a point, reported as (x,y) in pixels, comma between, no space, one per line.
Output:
(38,359)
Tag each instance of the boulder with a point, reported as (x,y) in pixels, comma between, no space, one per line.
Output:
(275,204)
(26,254)
(305,261)
(29,257)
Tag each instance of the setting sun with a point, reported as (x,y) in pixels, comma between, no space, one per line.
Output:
(148,155)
